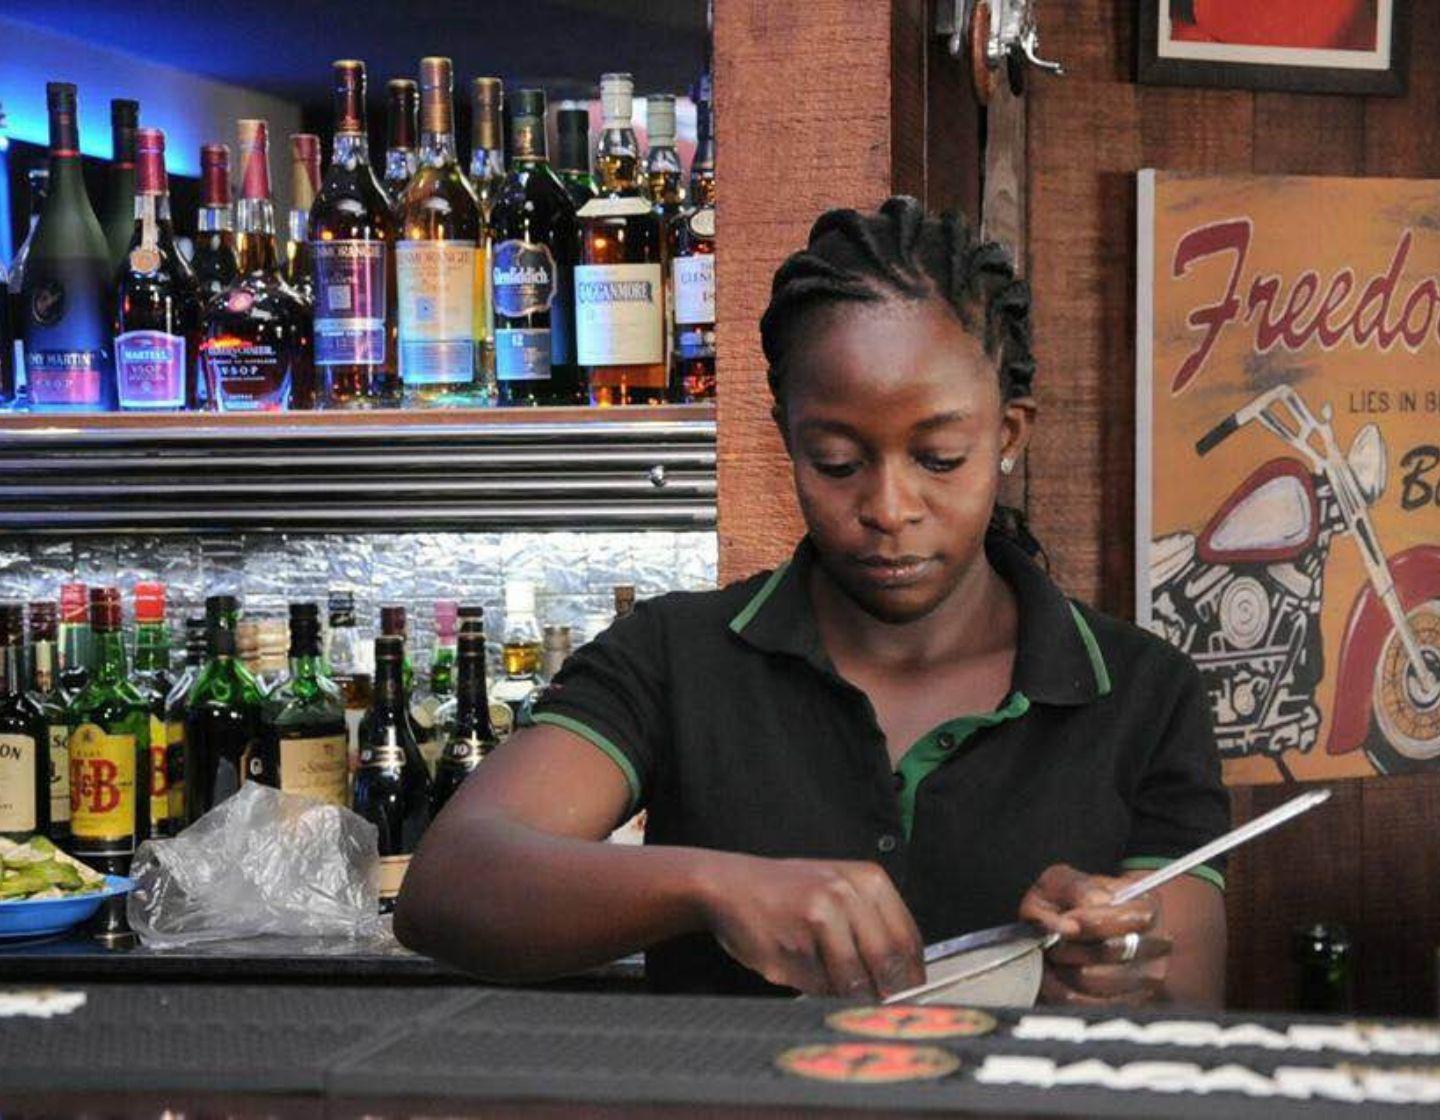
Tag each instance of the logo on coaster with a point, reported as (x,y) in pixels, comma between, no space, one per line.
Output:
(868,1063)
(911,1022)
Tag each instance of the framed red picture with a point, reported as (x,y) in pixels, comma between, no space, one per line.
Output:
(1303,46)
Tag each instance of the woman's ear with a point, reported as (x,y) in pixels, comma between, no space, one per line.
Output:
(1016,420)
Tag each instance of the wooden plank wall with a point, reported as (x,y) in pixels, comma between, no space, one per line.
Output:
(1371,858)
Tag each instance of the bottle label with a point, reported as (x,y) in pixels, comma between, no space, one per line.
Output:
(318,768)
(150,369)
(59,774)
(436,281)
(349,303)
(102,785)
(246,376)
(702,222)
(381,756)
(522,355)
(619,314)
(19,756)
(524,279)
(392,874)
(616,206)
(64,377)
(694,280)
(159,777)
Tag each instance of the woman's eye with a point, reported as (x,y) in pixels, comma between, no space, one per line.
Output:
(837,470)
(938,464)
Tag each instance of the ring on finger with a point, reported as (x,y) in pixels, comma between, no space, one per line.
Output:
(1129,947)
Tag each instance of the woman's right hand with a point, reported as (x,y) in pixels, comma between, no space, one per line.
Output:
(824,927)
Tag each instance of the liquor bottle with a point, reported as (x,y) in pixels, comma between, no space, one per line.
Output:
(157,308)
(393,624)
(77,640)
(69,282)
(1322,976)
(247,648)
(38,179)
(153,681)
(303,747)
(624,595)
(502,719)
(402,127)
(663,169)
(619,282)
(487,174)
(256,349)
(532,226)
(521,651)
(554,649)
(272,665)
(215,261)
(222,717)
(691,249)
(109,758)
(353,231)
(437,258)
(347,664)
(425,705)
(392,788)
(175,710)
(46,692)
(572,152)
(470,738)
(117,213)
(304,186)
(24,739)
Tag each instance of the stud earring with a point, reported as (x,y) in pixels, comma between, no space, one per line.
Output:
(1007,465)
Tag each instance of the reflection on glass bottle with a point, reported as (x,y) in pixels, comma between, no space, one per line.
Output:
(39,180)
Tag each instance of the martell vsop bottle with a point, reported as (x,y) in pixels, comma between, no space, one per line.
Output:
(24,739)
(157,307)
(471,737)
(46,692)
(436,259)
(117,213)
(353,248)
(69,282)
(392,788)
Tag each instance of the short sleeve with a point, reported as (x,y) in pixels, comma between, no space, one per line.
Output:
(612,692)
(1180,802)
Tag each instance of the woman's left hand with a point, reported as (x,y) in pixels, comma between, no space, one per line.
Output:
(1107,954)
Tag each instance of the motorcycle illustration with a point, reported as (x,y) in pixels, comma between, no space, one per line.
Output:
(1243,599)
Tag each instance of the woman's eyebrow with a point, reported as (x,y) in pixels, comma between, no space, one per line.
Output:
(939,420)
(836,427)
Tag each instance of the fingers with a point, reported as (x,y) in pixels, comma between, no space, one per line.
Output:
(1113,950)
(1078,906)
(888,938)
(1119,983)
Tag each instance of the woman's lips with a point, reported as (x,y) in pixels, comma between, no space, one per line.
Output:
(894,571)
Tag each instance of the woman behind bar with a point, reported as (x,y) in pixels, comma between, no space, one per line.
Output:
(904,733)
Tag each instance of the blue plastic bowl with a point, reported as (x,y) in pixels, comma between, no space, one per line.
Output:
(45,916)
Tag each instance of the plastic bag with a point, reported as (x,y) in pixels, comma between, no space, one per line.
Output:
(260,863)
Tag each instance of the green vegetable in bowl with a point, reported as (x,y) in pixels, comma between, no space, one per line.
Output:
(38,869)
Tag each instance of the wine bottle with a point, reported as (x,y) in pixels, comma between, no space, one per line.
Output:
(45,691)
(215,262)
(157,308)
(303,747)
(304,186)
(572,152)
(532,226)
(436,259)
(392,788)
(69,282)
(38,179)
(256,349)
(353,231)
(402,126)
(117,212)
(487,173)
(222,716)
(471,737)
(690,243)
(24,739)
(347,664)
(663,169)
(176,706)
(153,681)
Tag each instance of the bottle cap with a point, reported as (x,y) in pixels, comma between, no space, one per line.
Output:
(486,97)
(149,602)
(218,606)
(392,621)
(436,85)
(447,615)
(214,175)
(74,602)
(402,112)
(304,170)
(349,77)
(660,120)
(43,616)
(300,612)
(124,120)
(617,98)
(150,161)
(572,134)
(472,618)
(519,597)
(557,637)
(105,608)
(61,100)
(254,150)
(526,103)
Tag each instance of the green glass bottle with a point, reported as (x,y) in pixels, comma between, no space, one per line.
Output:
(24,739)
(77,643)
(222,717)
(117,212)
(175,709)
(572,153)
(303,748)
(153,680)
(45,691)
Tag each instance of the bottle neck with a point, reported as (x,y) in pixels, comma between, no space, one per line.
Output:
(305,666)
(255,222)
(112,667)
(214,219)
(437,148)
(77,645)
(299,225)
(351,149)
(152,647)
(389,687)
(487,163)
(400,163)
(43,666)
(155,207)
(471,703)
(67,181)
(619,162)
(12,670)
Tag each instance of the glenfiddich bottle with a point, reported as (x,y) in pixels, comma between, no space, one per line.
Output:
(402,127)
(663,170)
(392,787)
(691,250)
(153,681)
(175,710)
(24,739)
(304,186)
(353,231)
(157,309)
(45,691)
(619,285)
(117,214)
(470,737)
(215,262)
(256,352)
(303,747)
(222,717)
(572,152)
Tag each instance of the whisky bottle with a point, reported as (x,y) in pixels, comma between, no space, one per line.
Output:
(215,261)
(470,737)
(533,228)
(619,285)
(690,240)
(353,231)
(153,681)
(24,739)
(663,170)
(256,349)
(304,186)
(402,127)
(487,173)
(117,212)
(522,648)
(45,691)
(572,152)
(437,258)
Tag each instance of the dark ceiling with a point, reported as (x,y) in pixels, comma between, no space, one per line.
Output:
(285,47)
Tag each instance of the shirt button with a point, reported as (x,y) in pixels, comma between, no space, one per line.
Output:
(946,741)
(886,844)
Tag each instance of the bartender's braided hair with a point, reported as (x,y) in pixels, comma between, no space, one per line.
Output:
(902,253)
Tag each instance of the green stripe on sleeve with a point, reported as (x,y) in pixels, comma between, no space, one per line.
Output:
(589,734)
(1152,863)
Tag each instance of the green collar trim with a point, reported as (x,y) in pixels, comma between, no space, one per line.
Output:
(752,608)
(934,747)
(1092,647)
(1152,863)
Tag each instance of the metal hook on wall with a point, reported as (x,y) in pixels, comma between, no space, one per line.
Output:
(995,34)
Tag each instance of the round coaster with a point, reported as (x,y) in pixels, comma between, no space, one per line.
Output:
(912,1021)
(868,1063)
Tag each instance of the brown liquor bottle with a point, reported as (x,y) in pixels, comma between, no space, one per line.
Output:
(353,233)
(304,186)
(402,130)
(619,282)
(663,170)
(256,348)
(690,248)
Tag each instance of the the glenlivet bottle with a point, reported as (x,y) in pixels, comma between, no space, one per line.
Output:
(691,250)
(470,738)
(619,282)
(303,747)
(304,186)
(392,787)
(572,152)
(256,349)
(402,128)
(153,680)
(45,691)
(117,212)
(222,716)
(532,227)
(69,282)
(157,307)
(24,739)
(353,248)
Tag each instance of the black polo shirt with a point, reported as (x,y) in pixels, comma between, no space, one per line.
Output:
(736,733)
